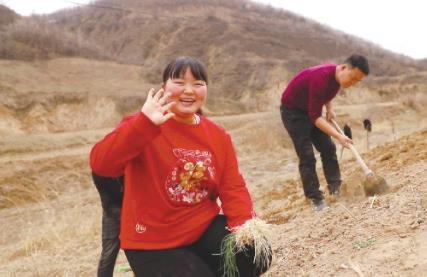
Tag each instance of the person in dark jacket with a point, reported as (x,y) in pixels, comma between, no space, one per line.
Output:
(111,193)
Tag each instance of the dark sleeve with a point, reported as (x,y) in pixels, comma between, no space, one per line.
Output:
(110,191)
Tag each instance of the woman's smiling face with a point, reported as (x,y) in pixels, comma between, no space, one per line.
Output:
(188,93)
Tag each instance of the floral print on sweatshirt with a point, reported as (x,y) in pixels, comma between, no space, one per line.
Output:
(190,178)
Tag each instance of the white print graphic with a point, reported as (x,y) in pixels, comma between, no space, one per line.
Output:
(190,177)
(140,228)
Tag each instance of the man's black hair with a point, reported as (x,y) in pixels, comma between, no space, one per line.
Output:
(360,62)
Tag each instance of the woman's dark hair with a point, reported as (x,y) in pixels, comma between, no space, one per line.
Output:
(177,68)
(360,62)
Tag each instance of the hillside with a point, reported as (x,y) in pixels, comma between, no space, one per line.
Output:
(60,95)
(251,50)
(7,16)
(138,31)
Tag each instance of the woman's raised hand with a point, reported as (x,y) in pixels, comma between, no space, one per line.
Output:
(156,107)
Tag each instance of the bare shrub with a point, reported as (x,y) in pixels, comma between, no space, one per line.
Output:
(38,38)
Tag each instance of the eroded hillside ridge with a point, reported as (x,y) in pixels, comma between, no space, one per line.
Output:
(251,50)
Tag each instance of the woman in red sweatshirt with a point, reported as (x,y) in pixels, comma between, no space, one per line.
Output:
(177,163)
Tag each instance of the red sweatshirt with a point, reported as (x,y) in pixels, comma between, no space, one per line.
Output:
(173,174)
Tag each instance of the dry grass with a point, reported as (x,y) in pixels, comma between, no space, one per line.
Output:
(53,238)
(416,101)
(53,213)
(23,182)
(63,223)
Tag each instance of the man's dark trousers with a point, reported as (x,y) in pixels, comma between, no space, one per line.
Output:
(304,134)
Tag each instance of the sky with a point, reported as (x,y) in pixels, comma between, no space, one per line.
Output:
(396,25)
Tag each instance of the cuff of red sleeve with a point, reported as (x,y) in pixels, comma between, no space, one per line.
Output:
(234,225)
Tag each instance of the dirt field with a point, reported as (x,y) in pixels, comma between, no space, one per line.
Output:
(50,212)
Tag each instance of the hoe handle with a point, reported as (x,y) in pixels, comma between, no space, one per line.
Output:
(359,159)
